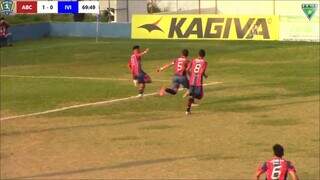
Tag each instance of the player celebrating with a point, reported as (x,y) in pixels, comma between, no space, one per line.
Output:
(180,75)
(196,69)
(140,78)
(277,168)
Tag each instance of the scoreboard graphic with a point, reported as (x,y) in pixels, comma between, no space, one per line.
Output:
(56,7)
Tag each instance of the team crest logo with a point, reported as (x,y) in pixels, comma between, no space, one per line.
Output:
(309,9)
(6,7)
(152,27)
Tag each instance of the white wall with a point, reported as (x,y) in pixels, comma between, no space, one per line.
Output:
(137,7)
(184,5)
(293,7)
(245,7)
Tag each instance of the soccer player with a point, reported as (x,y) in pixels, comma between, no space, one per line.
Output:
(197,70)
(140,78)
(180,74)
(277,168)
(5,36)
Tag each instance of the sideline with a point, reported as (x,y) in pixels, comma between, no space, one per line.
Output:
(87,104)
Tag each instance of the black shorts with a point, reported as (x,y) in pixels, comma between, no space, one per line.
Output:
(143,77)
(180,80)
(196,92)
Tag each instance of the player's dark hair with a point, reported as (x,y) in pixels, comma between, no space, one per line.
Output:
(185,52)
(136,47)
(1,18)
(278,150)
(202,53)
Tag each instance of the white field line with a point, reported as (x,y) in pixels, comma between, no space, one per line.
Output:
(87,104)
(76,77)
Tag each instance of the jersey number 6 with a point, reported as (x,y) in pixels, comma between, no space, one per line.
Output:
(276,172)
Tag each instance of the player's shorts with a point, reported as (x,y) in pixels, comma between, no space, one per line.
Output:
(143,77)
(180,80)
(196,92)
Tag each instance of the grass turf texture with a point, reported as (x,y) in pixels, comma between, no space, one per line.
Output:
(270,94)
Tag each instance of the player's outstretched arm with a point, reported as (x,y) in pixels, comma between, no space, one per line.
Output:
(144,52)
(258,174)
(164,67)
(129,66)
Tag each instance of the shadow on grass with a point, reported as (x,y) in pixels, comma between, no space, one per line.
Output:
(157,127)
(252,108)
(228,108)
(215,157)
(125,138)
(225,87)
(269,96)
(116,166)
(80,126)
(275,122)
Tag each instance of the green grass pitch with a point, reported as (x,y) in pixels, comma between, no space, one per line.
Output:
(269,94)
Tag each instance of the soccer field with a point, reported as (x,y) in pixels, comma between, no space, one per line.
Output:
(258,94)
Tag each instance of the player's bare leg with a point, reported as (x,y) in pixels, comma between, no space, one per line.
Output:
(190,102)
(162,91)
(141,89)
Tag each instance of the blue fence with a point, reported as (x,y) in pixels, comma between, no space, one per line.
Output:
(30,31)
(70,29)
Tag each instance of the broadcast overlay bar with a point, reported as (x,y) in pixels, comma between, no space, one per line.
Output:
(57,7)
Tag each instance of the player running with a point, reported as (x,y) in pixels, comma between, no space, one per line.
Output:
(180,74)
(140,78)
(277,168)
(196,69)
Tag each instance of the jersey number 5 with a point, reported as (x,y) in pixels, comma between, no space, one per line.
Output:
(179,65)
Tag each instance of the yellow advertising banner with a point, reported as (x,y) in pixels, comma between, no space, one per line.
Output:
(206,27)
